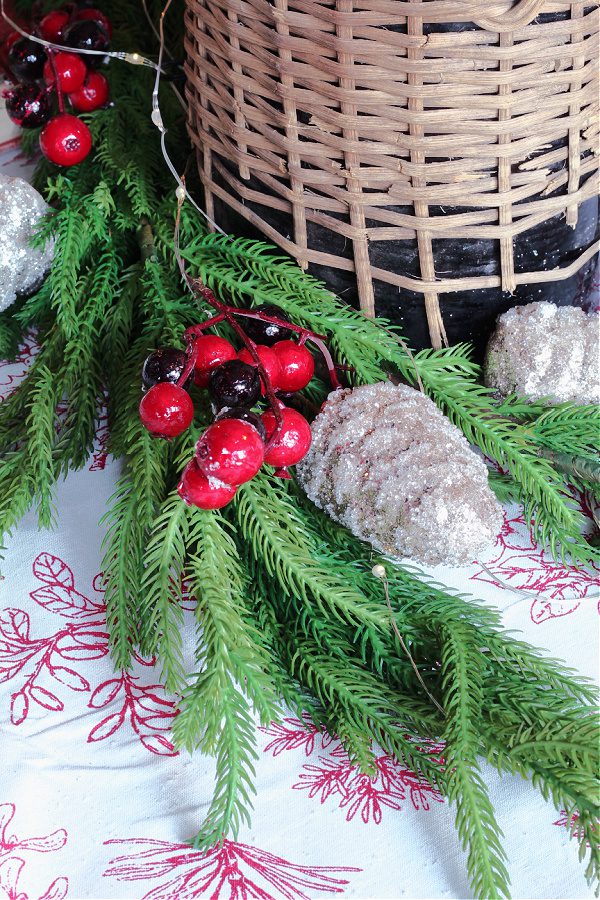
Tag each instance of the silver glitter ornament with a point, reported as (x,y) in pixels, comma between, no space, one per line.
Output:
(387,464)
(542,350)
(22,267)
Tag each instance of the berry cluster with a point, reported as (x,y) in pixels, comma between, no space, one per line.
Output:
(38,72)
(270,366)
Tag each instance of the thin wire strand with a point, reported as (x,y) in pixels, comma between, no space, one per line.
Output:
(384,580)
(137,60)
(158,121)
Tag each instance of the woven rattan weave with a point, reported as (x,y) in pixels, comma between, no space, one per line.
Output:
(384,120)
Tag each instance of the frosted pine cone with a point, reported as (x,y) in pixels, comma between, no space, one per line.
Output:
(387,464)
(542,350)
(22,268)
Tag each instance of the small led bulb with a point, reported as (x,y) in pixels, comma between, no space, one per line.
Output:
(180,193)
(157,119)
(378,571)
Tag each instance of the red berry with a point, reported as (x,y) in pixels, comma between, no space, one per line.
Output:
(92,95)
(95,15)
(230,450)
(53,25)
(65,140)
(269,360)
(166,410)
(297,365)
(71,71)
(198,489)
(213,351)
(294,439)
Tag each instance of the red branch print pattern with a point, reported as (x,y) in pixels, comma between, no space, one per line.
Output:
(12,865)
(46,666)
(523,567)
(336,776)
(570,823)
(230,872)
(13,370)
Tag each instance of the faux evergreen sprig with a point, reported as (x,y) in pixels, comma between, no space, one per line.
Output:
(288,609)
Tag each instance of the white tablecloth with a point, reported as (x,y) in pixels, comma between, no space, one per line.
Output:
(95,803)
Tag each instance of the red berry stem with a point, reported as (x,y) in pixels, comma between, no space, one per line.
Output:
(196,330)
(228,313)
(192,351)
(59,94)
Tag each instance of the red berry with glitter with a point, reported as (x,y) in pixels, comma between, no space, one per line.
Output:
(27,105)
(212,351)
(93,94)
(231,450)
(294,440)
(65,140)
(166,410)
(296,364)
(269,361)
(71,71)
(204,491)
(53,25)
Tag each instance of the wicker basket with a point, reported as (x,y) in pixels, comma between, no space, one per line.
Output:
(347,130)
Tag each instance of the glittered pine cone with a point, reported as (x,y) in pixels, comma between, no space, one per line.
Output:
(22,267)
(387,464)
(545,351)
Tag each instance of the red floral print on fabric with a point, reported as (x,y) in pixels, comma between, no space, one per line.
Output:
(12,371)
(45,666)
(13,854)
(230,872)
(336,776)
(521,566)
(570,823)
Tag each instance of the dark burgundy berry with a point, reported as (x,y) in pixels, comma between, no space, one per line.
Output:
(165,364)
(28,106)
(26,60)
(267,333)
(87,35)
(240,412)
(235,383)
(94,15)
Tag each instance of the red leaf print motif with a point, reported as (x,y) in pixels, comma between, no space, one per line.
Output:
(335,776)
(146,708)
(12,866)
(230,872)
(53,660)
(293,734)
(555,590)
(106,727)
(570,822)
(52,570)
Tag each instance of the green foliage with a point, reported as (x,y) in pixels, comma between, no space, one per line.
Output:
(287,607)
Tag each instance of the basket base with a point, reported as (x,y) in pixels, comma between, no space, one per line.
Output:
(468,315)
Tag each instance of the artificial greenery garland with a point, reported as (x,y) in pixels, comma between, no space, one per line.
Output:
(288,609)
